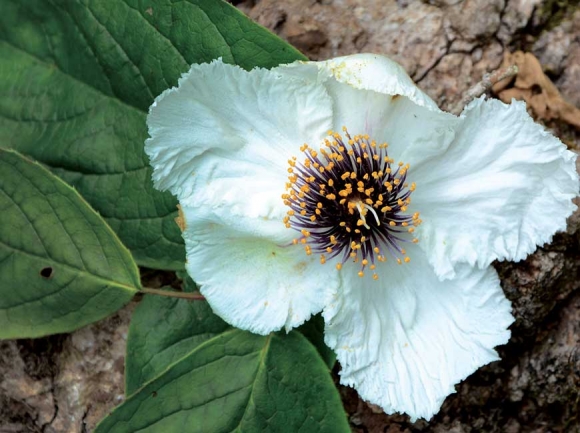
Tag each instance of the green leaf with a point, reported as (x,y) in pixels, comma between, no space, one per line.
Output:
(237,382)
(61,266)
(187,282)
(77,78)
(314,331)
(162,331)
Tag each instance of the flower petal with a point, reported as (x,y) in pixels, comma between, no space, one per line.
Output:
(373,95)
(405,340)
(379,74)
(503,186)
(261,116)
(257,282)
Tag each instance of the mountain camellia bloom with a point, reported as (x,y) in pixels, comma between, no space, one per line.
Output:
(339,187)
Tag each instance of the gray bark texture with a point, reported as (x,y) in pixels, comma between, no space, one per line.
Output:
(66,383)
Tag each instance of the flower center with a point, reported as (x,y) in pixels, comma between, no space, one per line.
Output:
(350,200)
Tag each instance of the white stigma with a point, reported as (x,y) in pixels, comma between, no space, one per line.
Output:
(360,207)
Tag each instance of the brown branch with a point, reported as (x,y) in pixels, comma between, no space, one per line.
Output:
(170,294)
(488,80)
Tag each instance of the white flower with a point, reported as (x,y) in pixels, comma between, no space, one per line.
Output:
(491,184)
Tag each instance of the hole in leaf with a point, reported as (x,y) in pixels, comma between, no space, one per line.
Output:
(536,89)
(46,272)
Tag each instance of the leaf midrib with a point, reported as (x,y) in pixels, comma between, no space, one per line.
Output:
(86,85)
(95,277)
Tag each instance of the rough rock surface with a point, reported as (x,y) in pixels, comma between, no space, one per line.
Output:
(66,383)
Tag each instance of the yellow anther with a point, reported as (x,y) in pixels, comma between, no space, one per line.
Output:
(360,223)
(407,259)
(323,260)
(375,277)
(330,182)
(372,267)
(411,229)
(328,249)
(399,261)
(313,218)
(415,241)
(345,192)
(332,239)
(345,175)
(376,250)
(361,274)
(392,223)
(303,241)
(339,266)
(353,175)
(365,262)
(303,212)
(295,241)
(331,196)
(319,205)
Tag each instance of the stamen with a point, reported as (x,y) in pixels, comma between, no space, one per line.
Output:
(331,192)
